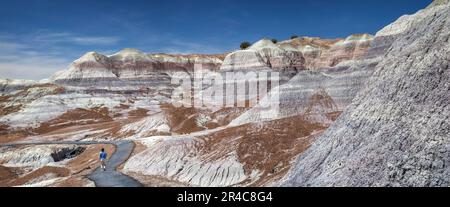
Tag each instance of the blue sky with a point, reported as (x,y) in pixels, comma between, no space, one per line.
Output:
(39,37)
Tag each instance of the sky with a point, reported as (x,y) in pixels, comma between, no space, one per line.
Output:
(40,37)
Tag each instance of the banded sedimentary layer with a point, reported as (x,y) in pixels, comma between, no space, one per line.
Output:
(396,131)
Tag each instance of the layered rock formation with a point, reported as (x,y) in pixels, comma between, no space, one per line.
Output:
(248,155)
(383,138)
(131,67)
(310,101)
(298,54)
(264,54)
(48,165)
(8,86)
(341,83)
(127,95)
(396,131)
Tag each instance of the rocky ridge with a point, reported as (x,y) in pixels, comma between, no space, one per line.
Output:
(127,96)
(395,133)
(298,54)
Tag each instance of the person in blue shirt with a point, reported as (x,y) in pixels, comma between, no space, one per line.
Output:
(103,156)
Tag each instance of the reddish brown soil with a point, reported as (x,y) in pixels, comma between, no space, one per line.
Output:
(113,129)
(267,147)
(182,120)
(83,165)
(322,100)
(156,181)
(12,109)
(7,136)
(57,171)
(3,128)
(316,42)
(122,106)
(138,113)
(56,89)
(4,98)
(88,160)
(9,109)
(74,172)
(334,115)
(73,182)
(7,174)
(100,130)
(74,118)
(227,115)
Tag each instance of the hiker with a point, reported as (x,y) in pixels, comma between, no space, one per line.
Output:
(103,156)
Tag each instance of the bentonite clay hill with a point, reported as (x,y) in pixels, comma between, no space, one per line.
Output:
(394,133)
(127,96)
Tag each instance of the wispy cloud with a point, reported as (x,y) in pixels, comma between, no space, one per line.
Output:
(39,55)
(65,37)
(31,67)
(21,61)
(11,46)
(95,40)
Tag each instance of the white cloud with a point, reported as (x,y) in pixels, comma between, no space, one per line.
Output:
(39,55)
(21,61)
(65,37)
(95,40)
(4,46)
(31,67)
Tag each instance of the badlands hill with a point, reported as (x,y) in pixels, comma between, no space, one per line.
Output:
(394,133)
(127,96)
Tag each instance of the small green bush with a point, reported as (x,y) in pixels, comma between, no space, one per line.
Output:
(245,45)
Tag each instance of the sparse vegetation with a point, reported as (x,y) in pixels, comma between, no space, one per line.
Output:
(293,37)
(245,45)
(275,41)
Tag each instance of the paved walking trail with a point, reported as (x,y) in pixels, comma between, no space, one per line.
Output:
(109,178)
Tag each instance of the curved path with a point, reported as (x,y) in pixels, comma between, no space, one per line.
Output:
(109,178)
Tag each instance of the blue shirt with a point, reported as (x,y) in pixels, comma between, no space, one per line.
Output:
(103,155)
